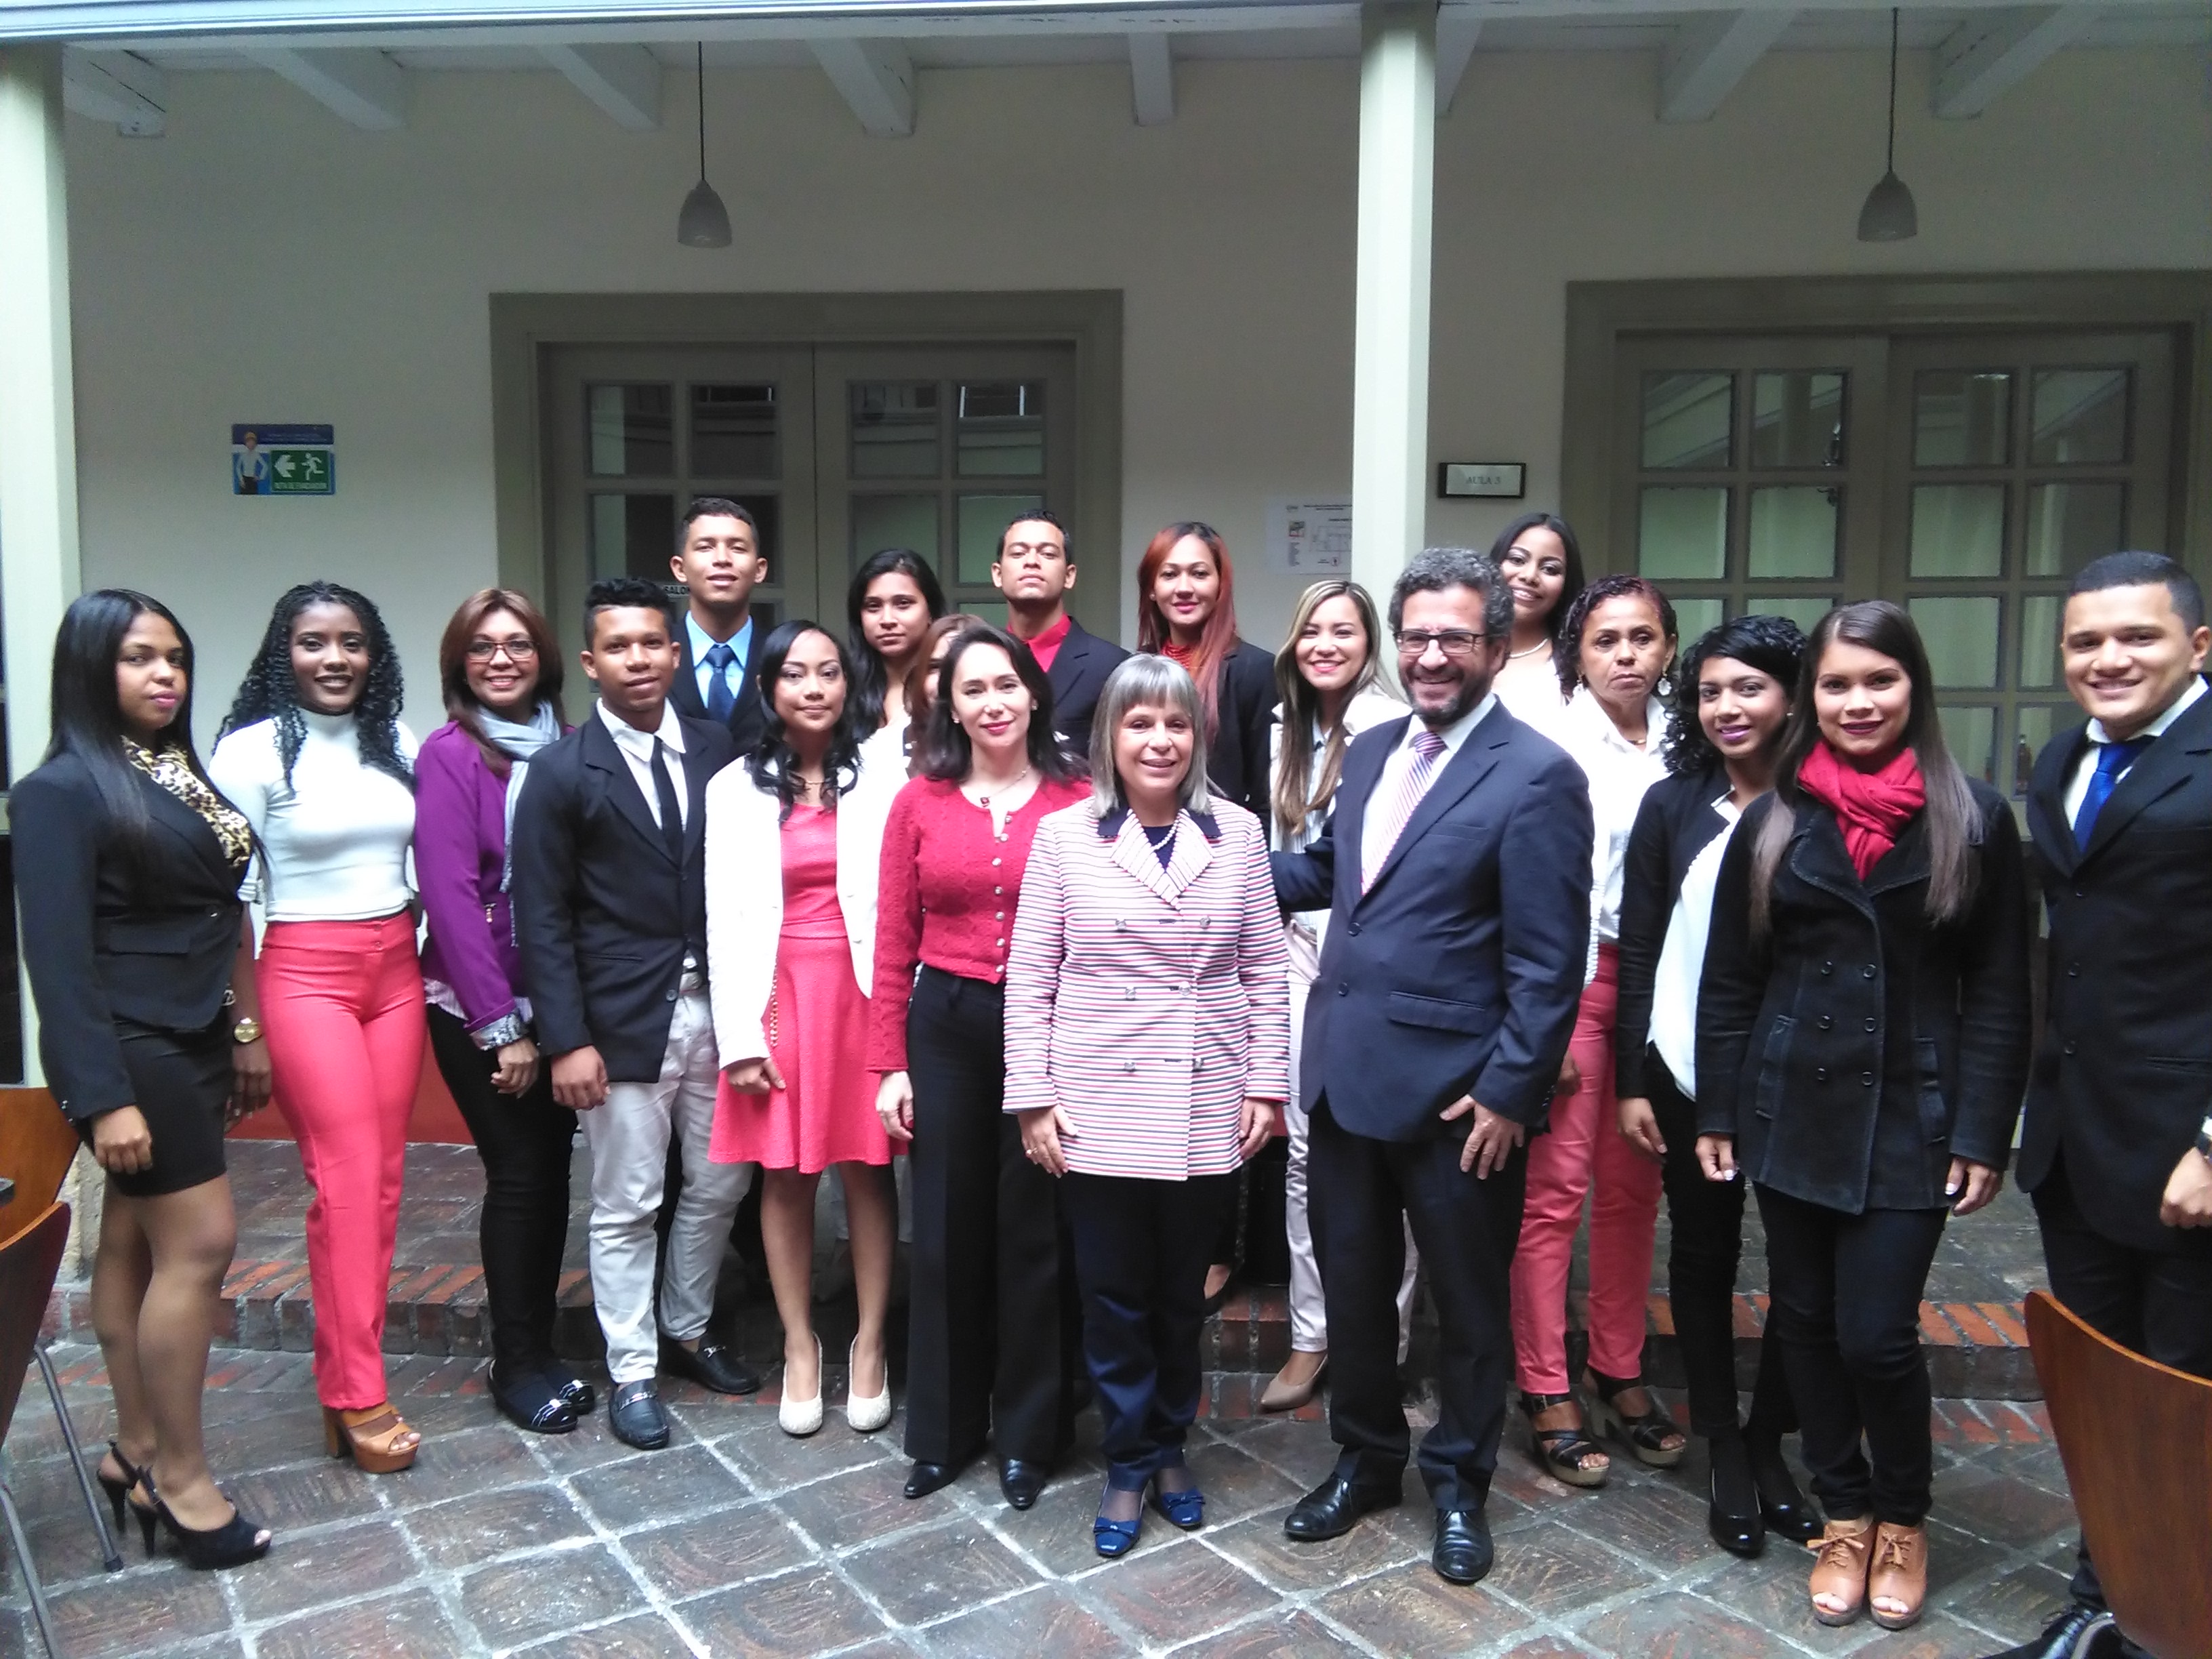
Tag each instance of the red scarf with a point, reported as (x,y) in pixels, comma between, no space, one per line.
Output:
(1871,808)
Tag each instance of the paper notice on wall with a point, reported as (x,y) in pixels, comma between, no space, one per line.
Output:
(1309,536)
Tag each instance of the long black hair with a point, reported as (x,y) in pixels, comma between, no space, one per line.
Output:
(1570,588)
(870,681)
(88,717)
(946,749)
(270,690)
(774,763)
(1774,645)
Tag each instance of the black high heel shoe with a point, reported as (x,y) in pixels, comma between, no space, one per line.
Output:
(118,1494)
(233,1544)
(1733,1516)
(1787,1512)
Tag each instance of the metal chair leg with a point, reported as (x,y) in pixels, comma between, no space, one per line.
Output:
(30,1572)
(110,1556)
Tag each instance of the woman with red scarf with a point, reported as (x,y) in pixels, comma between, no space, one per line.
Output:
(1862,1031)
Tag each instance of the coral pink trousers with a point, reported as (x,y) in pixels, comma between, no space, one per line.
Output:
(342,1005)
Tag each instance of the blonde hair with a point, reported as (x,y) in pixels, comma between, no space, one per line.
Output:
(1300,793)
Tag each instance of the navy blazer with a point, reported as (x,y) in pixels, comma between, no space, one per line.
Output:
(1459,971)
(748,716)
(1078,674)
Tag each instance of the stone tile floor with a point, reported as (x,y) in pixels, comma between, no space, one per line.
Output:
(737,1540)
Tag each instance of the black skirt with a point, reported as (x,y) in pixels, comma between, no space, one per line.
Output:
(183,1083)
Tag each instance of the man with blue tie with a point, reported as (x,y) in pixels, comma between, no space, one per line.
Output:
(719,560)
(2116,1146)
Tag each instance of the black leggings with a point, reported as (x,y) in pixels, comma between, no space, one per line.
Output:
(524,1143)
(1847,1292)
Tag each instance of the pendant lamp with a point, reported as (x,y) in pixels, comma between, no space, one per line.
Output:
(702,221)
(1889,214)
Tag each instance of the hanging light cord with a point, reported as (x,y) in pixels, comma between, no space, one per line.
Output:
(702,103)
(1889,162)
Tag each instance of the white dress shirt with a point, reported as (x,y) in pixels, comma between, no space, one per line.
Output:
(1618,772)
(636,748)
(2078,789)
(1403,760)
(702,642)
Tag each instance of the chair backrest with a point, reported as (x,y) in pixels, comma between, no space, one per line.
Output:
(2136,1438)
(28,1262)
(37,1144)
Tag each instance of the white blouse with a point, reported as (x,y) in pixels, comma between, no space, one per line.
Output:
(1682,958)
(1619,773)
(335,839)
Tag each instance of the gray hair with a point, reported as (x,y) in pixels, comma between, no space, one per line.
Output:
(1161,683)
(1435,569)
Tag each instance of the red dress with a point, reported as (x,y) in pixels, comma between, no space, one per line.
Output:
(817,1030)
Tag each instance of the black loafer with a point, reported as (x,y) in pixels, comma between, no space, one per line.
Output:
(1333,1508)
(1021,1479)
(529,1401)
(925,1477)
(634,1413)
(2078,1632)
(575,1392)
(711,1365)
(1463,1552)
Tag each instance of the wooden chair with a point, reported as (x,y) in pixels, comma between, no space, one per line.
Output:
(2136,1439)
(28,1262)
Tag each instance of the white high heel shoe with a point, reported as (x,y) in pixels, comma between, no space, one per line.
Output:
(866,1413)
(800,1417)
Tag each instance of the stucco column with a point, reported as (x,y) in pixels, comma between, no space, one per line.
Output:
(1390,343)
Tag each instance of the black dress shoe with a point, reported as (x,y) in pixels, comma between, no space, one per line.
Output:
(924,1477)
(1463,1552)
(1331,1508)
(1021,1479)
(2079,1633)
(711,1365)
(527,1400)
(634,1413)
(575,1392)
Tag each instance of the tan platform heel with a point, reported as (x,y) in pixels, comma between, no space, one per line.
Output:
(1840,1572)
(369,1443)
(1898,1573)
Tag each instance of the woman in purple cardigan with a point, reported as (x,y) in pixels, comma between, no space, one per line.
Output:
(500,672)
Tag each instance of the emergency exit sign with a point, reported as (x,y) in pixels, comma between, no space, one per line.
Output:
(278,458)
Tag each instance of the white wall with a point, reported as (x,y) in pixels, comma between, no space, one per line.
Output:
(264,262)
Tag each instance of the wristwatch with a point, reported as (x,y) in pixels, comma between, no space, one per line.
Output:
(247,1030)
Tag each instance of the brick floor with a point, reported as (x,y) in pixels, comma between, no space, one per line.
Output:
(737,1540)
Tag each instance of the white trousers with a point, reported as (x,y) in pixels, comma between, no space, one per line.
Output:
(628,1136)
(1309,1316)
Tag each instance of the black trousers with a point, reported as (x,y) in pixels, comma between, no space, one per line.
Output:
(1140,1256)
(1847,1292)
(524,1141)
(2156,1303)
(993,1333)
(1466,1229)
(1705,1243)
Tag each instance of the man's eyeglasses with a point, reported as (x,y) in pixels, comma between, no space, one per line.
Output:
(1414,642)
(518,650)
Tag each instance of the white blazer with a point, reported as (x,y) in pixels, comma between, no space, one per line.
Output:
(744,894)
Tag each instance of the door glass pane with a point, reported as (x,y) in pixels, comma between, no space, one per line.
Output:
(2037,723)
(630,431)
(894,430)
(2071,523)
(1686,419)
(1958,530)
(882,521)
(1803,609)
(1798,418)
(1961,636)
(1793,531)
(1695,618)
(1971,733)
(733,432)
(633,536)
(2039,615)
(983,520)
(1683,533)
(1961,417)
(1001,429)
(2080,417)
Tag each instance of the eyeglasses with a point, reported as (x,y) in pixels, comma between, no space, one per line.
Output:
(1453,642)
(518,649)
(1042,549)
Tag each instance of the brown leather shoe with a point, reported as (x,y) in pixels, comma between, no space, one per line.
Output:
(1296,1383)
(1897,1578)
(1839,1583)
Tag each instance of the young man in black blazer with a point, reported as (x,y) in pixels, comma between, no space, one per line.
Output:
(1456,868)
(1035,569)
(2117,1145)
(610,914)
(719,560)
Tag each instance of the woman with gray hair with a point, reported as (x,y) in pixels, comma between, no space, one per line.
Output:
(1147,1049)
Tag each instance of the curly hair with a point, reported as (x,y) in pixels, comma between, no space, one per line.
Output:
(270,690)
(1774,645)
(774,763)
(1567,646)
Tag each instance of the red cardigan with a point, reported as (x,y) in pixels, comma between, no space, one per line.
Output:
(947,896)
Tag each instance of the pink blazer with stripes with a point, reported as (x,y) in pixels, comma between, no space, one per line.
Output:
(1146,1003)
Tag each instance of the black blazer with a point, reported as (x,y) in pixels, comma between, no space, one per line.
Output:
(1236,755)
(749,714)
(1861,1047)
(104,943)
(1676,822)
(2124,1073)
(1078,672)
(602,917)
(1459,971)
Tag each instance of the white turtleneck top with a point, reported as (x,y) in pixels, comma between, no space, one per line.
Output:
(335,840)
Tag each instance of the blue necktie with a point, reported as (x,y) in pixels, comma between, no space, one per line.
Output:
(2113,759)
(721,701)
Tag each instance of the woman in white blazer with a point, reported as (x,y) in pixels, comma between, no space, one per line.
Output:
(1147,1051)
(794,841)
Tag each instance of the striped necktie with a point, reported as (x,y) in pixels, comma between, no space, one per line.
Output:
(1386,819)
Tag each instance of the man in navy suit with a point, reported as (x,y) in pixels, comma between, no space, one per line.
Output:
(1035,569)
(719,560)
(1456,868)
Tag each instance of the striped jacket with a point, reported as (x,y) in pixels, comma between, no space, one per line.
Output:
(1147,1002)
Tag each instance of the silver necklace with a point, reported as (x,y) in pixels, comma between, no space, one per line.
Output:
(1540,645)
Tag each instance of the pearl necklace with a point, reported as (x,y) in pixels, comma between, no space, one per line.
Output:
(1540,645)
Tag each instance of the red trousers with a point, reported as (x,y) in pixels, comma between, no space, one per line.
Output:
(342,1002)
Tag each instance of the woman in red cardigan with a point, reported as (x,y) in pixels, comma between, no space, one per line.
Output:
(992,1342)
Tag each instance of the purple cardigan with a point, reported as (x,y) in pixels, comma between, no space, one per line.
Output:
(460,849)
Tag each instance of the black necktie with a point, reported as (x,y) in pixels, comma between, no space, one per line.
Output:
(671,813)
